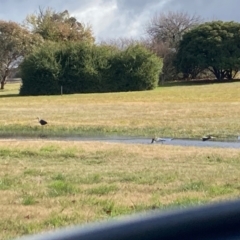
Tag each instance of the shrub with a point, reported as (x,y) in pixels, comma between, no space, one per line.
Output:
(40,72)
(87,68)
(135,69)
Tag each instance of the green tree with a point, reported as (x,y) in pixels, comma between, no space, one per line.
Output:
(58,26)
(214,46)
(78,67)
(84,67)
(40,71)
(135,69)
(15,43)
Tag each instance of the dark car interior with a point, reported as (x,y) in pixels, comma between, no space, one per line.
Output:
(216,221)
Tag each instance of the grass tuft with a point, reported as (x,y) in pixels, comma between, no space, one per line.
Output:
(103,190)
(28,200)
(61,188)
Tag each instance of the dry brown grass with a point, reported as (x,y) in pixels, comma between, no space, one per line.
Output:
(49,184)
(185,111)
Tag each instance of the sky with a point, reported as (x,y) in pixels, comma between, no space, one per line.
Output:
(111,19)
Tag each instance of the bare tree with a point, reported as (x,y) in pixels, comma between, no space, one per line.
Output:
(121,43)
(169,27)
(165,30)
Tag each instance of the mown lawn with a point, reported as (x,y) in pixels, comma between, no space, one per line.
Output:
(49,184)
(177,111)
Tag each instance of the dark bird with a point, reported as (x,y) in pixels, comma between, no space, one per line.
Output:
(205,138)
(41,121)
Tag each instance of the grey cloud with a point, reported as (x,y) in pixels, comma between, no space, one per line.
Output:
(128,17)
(18,10)
(107,1)
(136,5)
(130,12)
(142,10)
(226,10)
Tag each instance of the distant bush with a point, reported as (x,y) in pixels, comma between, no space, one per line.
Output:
(40,72)
(86,68)
(135,69)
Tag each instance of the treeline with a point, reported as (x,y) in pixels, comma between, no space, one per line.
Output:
(192,48)
(54,51)
(83,67)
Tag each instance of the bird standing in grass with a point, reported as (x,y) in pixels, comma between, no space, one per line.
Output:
(41,121)
(205,138)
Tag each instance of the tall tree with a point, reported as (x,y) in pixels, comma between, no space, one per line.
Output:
(58,26)
(15,43)
(165,30)
(169,27)
(214,46)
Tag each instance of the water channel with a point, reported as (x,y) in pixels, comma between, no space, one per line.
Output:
(224,143)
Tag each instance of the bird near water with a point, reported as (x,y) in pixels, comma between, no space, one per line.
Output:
(41,121)
(156,139)
(208,137)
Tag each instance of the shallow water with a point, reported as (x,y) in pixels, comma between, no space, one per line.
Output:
(138,140)
(168,141)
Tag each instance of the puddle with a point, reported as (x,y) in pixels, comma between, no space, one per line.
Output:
(168,141)
(138,140)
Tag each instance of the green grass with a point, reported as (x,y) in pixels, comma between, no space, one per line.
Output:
(49,184)
(61,188)
(103,190)
(44,188)
(174,111)
(28,200)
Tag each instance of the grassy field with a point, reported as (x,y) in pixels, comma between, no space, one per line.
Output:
(177,111)
(45,185)
(50,184)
